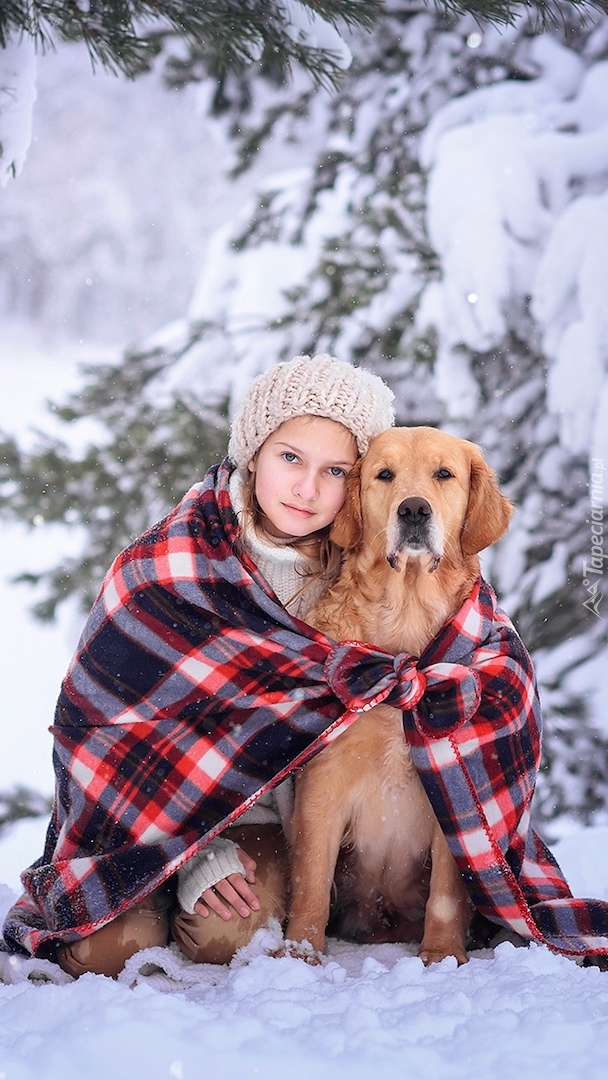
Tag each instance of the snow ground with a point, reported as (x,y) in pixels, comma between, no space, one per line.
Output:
(367,1010)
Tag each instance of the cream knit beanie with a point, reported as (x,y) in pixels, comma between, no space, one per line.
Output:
(310,386)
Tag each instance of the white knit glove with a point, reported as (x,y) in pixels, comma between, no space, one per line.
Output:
(216,861)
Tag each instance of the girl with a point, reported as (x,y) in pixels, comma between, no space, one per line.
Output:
(196,686)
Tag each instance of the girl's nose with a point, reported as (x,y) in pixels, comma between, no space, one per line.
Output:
(306,487)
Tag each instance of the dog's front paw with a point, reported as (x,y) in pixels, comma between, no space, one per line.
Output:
(430,954)
(300,950)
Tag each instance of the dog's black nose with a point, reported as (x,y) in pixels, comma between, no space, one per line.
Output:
(415,510)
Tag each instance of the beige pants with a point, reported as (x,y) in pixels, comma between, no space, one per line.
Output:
(210,940)
(107,950)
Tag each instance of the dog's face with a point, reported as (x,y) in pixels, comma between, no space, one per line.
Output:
(420,493)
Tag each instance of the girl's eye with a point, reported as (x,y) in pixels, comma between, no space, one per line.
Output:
(335,470)
(289,456)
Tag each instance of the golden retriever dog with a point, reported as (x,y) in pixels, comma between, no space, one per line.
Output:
(419,508)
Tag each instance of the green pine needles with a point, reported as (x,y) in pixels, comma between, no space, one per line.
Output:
(224,37)
(227,34)
(149,457)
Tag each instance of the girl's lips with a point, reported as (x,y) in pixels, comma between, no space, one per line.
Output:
(298,510)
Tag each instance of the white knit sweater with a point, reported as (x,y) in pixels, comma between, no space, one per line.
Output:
(285,570)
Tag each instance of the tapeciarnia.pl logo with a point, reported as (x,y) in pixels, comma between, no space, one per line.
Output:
(593,571)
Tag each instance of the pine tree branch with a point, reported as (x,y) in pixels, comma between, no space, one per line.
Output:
(22,802)
(545,14)
(115,491)
(126,35)
(230,35)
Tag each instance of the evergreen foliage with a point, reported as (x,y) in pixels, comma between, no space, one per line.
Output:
(115,490)
(544,13)
(21,802)
(227,35)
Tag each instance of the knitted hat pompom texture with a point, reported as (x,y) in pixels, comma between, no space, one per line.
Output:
(310,386)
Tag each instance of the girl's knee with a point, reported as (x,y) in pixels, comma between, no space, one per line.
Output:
(213,940)
(107,950)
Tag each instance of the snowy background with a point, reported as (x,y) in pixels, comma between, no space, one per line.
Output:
(102,238)
(486,249)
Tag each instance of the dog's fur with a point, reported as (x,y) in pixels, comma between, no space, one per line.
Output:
(419,507)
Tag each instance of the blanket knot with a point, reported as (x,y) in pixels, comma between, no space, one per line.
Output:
(362,676)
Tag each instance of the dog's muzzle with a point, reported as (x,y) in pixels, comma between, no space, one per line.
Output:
(414,529)
(414,518)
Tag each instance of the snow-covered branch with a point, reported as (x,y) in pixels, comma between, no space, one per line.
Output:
(17,97)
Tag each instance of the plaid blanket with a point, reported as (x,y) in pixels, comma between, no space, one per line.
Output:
(193,691)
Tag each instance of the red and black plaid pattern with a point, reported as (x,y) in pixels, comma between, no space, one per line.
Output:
(193,691)
(480,776)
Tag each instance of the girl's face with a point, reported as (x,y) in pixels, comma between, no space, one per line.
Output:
(300,475)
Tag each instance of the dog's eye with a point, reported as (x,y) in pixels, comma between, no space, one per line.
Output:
(386,475)
(444,474)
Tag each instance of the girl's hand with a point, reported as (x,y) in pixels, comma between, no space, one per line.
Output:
(233,891)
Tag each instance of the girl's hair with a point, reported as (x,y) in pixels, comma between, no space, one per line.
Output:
(318,548)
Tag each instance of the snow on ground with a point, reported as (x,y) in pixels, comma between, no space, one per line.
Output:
(367,1010)
(521,1012)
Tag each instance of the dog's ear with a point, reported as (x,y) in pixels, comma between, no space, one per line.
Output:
(347,529)
(488,512)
